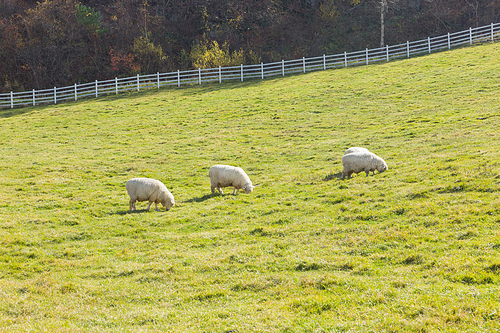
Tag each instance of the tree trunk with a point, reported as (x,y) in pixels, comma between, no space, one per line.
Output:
(383,5)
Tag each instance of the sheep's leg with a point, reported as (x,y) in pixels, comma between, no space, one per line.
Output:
(156,207)
(131,205)
(220,190)
(367,172)
(213,189)
(149,204)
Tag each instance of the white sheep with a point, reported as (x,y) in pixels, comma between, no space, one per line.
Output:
(354,150)
(362,161)
(227,175)
(147,189)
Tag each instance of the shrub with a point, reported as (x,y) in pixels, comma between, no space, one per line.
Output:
(209,54)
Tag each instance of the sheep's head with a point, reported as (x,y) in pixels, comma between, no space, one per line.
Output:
(382,167)
(168,203)
(248,188)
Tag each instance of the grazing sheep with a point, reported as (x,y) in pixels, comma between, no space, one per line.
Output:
(227,175)
(355,149)
(147,189)
(362,161)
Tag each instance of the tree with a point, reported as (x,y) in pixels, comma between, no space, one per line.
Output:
(383,9)
(148,56)
(208,54)
(92,20)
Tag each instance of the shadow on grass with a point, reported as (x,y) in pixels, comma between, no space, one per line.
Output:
(7,113)
(203,198)
(331,176)
(137,211)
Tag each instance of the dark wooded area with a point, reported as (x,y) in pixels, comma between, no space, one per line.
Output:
(62,42)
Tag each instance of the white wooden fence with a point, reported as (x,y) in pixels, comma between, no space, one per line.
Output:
(242,72)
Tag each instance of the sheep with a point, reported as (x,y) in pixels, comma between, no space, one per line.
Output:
(355,149)
(362,161)
(152,190)
(227,175)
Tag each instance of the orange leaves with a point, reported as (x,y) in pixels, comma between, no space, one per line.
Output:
(123,62)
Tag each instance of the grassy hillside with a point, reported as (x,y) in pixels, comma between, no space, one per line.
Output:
(414,249)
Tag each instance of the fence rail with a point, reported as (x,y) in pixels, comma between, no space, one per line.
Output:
(242,72)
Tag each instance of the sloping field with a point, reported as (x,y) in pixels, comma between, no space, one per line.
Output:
(414,249)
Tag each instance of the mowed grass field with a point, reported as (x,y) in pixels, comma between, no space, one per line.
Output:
(413,249)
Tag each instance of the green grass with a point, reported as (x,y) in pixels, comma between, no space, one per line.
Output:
(414,249)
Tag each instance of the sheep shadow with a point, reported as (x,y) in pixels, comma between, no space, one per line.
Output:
(202,198)
(137,211)
(331,176)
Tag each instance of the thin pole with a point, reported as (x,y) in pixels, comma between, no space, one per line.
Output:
(345,58)
(492,32)
(33,97)
(304,63)
(76,92)
(220,74)
(178,78)
(407,49)
(116,85)
(11,100)
(262,69)
(241,72)
(429,42)
(96,88)
(449,42)
(367,56)
(199,75)
(283,67)
(470,36)
(55,95)
(387,51)
(138,84)
(324,62)
(158,79)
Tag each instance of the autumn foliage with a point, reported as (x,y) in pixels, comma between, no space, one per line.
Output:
(62,42)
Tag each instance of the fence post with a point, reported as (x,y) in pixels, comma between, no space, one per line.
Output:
(449,42)
(304,63)
(96,88)
(345,58)
(11,100)
(324,62)
(178,78)
(76,92)
(429,42)
(470,36)
(33,97)
(492,32)
(138,83)
(55,95)
(220,74)
(241,72)
(116,85)
(199,75)
(158,79)
(262,69)
(387,51)
(367,56)
(283,67)
(407,49)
